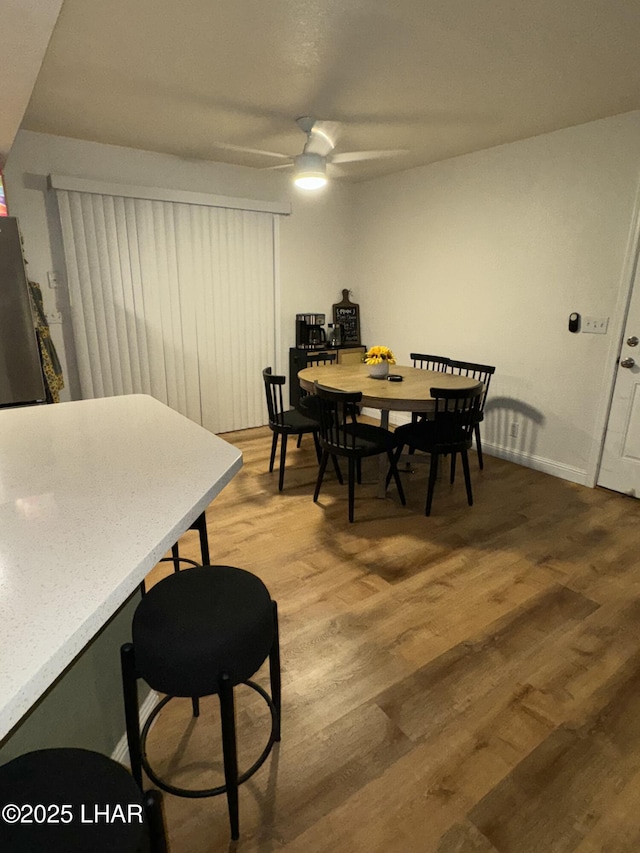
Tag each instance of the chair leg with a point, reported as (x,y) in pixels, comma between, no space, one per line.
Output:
(352,487)
(396,459)
(299,440)
(317,446)
(175,553)
(274,671)
(393,468)
(131,710)
(359,471)
(467,476)
(283,456)
(414,420)
(152,801)
(321,470)
(433,473)
(476,431)
(195,705)
(452,478)
(336,468)
(274,445)
(227,714)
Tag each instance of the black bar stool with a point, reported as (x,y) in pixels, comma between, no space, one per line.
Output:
(71,800)
(197,633)
(200,524)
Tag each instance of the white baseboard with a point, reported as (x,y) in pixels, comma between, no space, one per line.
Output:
(537,463)
(528,460)
(121,752)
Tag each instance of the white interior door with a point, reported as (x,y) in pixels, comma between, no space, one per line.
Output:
(620,465)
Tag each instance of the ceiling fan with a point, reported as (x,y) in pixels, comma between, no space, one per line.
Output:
(318,154)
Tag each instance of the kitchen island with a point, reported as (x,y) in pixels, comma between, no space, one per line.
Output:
(92,495)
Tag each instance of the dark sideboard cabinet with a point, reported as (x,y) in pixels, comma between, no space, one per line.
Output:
(298,359)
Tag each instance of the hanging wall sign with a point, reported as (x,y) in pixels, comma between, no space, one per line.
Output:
(347,313)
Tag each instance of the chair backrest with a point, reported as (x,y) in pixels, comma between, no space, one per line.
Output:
(315,359)
(455,413)
(273,390)
(429,362)
(481,372)
(338,412)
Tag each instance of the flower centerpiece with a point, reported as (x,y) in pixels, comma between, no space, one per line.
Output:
(379,358)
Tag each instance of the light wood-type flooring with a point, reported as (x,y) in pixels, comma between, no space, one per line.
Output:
(464,683)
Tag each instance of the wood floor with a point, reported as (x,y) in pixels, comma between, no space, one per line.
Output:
(464,683)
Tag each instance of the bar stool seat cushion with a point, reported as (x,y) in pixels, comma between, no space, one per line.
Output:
(79,778)
(193,626)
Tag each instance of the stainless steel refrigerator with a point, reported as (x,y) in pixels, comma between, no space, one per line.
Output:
(21,378)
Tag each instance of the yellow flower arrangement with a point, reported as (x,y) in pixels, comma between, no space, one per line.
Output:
(377,355)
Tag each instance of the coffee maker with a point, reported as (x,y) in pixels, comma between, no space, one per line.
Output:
(335,334)
(310,333)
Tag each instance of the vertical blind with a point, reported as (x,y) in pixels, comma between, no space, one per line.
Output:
(174,300)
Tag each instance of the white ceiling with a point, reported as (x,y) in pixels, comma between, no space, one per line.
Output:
(435,77)
(26,29)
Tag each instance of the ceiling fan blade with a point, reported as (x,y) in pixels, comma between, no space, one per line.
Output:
(279,166)
(354,156)
(322,138)
(225,146)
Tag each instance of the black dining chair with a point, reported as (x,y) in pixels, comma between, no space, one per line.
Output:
(308,403)
(284,422)
(438,363)
(483,373)
(342,435)
(448,431)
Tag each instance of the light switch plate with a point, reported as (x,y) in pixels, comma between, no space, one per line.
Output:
(595,325)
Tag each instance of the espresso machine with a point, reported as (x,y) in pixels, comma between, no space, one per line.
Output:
(310,333)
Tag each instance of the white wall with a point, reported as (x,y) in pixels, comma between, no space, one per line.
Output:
(315,241)
(483,258)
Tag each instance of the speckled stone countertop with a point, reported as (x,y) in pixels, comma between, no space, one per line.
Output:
(92,494)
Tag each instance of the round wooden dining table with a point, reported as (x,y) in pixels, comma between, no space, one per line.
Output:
(412,394)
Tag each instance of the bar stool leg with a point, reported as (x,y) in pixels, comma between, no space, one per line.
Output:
(227,715)
(201,526)
(274,671)
(152,801)
(131,710)
(195,704)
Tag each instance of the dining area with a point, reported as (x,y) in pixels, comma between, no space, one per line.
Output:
(346,409)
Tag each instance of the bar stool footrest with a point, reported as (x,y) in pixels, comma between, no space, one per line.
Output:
(175,560)
(220,789)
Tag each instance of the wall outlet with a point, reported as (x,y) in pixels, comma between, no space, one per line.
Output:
(54,317)
(514,429)
(595,325)
(54,278)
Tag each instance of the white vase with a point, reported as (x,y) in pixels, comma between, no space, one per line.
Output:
(379,371)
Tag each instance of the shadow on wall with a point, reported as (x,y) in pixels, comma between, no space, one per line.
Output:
(511,424)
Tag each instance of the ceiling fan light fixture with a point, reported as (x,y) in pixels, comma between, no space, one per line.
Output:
(310,171)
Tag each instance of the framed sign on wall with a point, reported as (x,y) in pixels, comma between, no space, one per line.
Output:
(347,313)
